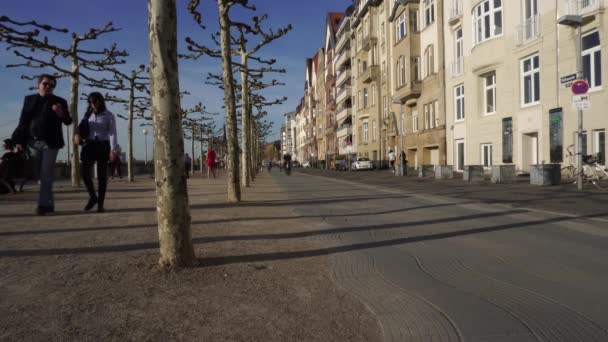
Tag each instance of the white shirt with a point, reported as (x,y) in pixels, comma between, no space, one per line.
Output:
(103,128)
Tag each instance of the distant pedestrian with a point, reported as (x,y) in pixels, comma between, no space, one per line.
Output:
(187,164)
(97,133)
(211,163)
(391,159)
(40,129)
(269,166)
(116,163)
(404,162)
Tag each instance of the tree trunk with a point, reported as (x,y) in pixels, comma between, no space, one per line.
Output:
(192,157)
(245,121)
(75,80)
(130,135)
(173,210)
(234,187)
(202,155)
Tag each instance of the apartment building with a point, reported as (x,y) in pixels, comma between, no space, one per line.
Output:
(288,125)
(346,138)
(506,104)
(319,104)
(329,110)
(364,34)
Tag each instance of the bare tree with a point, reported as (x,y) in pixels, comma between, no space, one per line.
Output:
(24,39)
(173,210)
(137,101)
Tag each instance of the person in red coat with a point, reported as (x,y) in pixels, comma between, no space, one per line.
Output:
(211,165)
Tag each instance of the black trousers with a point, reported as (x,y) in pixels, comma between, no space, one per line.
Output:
(95,152)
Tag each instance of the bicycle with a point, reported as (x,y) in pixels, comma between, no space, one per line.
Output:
(593,171)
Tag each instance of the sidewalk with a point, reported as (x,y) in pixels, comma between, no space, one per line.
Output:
(563,199)
(88,276)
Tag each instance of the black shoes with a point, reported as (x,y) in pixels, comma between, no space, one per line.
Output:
(90,204)
(44,210)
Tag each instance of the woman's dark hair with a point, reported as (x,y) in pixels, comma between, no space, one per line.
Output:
(8,143)
(48,77)
(96,97)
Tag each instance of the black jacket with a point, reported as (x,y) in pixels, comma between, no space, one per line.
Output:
(51,131)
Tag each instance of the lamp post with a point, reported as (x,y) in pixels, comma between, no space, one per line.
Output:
(145,132)
(400,130)
(575,21)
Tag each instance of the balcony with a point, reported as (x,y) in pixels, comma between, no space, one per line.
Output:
(583,7)
(343,58)
(343,114)
(343,95)
(342,40)
(369,74)
(529,30)
(455,11)
(458,67)
(368,41)
(344,131)
(343,77)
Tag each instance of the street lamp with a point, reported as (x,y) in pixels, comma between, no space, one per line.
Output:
(145,132)
(575,21)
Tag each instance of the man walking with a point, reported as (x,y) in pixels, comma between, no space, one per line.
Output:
(391,159)
(40,130)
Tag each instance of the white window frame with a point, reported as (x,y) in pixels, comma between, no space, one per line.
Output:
(435,113)
(374,130)
(429,61)
(402,74)
(596,142)
(484,149)
(384,107)
(486,15)
(534,75)
(415,120)
(489,87)
(429,12)
(373,95)
(400,27)
(591,52)
(417,68)
(365,97)
(365,132)
(459,103)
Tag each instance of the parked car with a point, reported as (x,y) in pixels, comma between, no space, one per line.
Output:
(362,163)
(306,164)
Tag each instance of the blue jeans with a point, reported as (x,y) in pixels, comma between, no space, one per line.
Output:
(43,159)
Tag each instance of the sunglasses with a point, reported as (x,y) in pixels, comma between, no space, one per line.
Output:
(48,84)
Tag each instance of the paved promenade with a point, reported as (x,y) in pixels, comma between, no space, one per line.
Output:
(315,256)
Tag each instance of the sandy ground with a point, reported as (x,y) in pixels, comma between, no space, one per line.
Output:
(77,276)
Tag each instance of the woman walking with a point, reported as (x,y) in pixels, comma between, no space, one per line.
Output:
(211,164)
(97,131)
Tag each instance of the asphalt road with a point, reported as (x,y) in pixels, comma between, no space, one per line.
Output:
(433,266)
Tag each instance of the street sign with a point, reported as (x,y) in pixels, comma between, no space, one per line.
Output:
(567,78)
(581,102)
(580,87)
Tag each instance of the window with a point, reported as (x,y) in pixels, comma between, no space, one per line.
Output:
(414,21)
(401,71)
(530,22)
(414,120)
(487,20)
(385,108)
(365,133)
(383,71)
(359,39)
(429,12)
(416,66)
(459,102)
(530,80)
(374,130)
(360,104)
(486,155)
(489,98)
(400,28)
(429,58)
(459,155)
(431,119)
(599,144)
(592,59)
(365,97)
(365,28)
(373,95)
(382,33)
(402,125)
(457,69)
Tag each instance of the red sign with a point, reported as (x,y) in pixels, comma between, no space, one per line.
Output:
(580,87)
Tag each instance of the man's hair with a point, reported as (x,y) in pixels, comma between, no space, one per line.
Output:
(48,77)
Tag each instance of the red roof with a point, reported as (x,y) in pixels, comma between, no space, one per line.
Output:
(336,18)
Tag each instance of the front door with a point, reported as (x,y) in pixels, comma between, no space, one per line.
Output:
(530,151)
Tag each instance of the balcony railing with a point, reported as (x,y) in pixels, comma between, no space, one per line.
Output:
(368,41)
(342,40)
(344,131)
(458,67)
(582,7)
(343,114)
(529,30)
(456,10)
(343,77)
(343,95)
(370,73)
(343,58)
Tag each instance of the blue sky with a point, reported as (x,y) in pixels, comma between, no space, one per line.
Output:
(306,17)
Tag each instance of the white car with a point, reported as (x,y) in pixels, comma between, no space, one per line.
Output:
(306,164)
(362,163)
